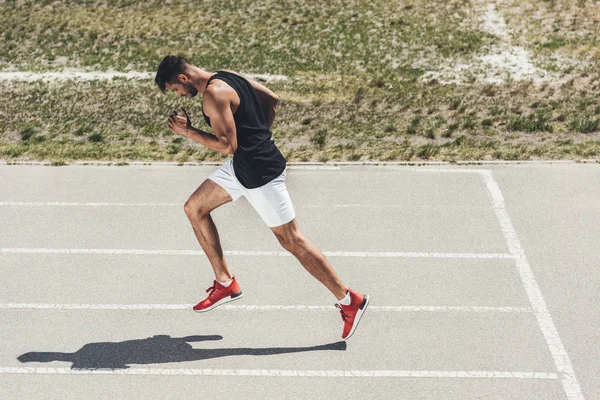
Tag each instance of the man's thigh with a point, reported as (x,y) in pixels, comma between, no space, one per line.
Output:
(207,197)
(224,177)
(272,202)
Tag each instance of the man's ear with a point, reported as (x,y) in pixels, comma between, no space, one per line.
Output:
(182,78)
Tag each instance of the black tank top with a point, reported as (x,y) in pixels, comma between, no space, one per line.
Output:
(257,160)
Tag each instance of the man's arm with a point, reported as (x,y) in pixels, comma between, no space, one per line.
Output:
(268,99)
(182,125)
(269,109)
(218,106)
(224,139)
(206,139)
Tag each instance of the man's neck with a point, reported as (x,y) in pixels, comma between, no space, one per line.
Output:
(199,78)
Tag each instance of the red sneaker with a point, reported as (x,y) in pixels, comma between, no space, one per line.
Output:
(219,294)
(351,314)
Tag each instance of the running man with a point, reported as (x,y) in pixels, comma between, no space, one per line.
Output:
(240,112)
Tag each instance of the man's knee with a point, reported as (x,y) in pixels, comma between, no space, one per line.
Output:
(291,241)
(194,208)
(205,199)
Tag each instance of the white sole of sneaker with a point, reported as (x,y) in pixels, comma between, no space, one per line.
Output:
(359,314)
(224,300)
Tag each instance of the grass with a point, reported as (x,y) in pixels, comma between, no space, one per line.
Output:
(319,139)
(131,123)
(584,124)
(538,121)
(282,36)
(356,90)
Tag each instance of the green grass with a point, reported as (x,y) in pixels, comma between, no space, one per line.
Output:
(538,121)
(319,139)
(278,36)
(469,149)
(131,123)
(584,124)
(355,90)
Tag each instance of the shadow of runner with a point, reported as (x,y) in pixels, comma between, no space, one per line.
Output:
(158,349)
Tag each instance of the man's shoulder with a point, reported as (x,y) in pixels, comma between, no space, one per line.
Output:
(219,91)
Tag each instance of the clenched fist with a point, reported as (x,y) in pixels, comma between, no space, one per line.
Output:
(180,124)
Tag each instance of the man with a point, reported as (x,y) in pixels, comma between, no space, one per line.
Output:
(240,112)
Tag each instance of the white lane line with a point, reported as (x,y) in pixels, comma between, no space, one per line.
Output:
(283,373)
(318,167)
(441,170)
(39,306)
(180,204)
(108,204)
(534,294)
(82,204)
(363,254)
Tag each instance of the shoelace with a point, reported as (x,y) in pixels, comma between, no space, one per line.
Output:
(344,316)
(212,291)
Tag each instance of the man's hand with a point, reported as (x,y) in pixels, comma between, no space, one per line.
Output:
(180,124)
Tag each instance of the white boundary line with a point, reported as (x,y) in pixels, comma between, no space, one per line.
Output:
(534,294)
(38,306)
(361,254)
(283,373)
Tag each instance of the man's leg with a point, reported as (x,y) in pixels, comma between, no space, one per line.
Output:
(311,258)
(198,207)
(352,304)
(272,202)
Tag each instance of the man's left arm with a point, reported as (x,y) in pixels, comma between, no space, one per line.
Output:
(224,139)
(223,123)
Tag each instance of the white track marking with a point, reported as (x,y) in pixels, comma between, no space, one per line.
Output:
(480,309)
(325,167)
(364,254)
(536,299)
(109,204)
(440,170)
(38,306)
(98,75)
(82,204)
(283,373)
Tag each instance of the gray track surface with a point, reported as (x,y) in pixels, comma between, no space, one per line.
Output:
(554,209)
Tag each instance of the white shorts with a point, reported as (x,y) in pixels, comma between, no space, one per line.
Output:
(271,201)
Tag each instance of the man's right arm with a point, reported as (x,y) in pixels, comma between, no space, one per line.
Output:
(269,109)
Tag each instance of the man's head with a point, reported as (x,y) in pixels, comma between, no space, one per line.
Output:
(174,74)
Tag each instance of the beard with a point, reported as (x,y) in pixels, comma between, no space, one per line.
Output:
(190,89)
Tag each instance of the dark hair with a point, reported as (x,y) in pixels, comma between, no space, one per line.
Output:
(169,68)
